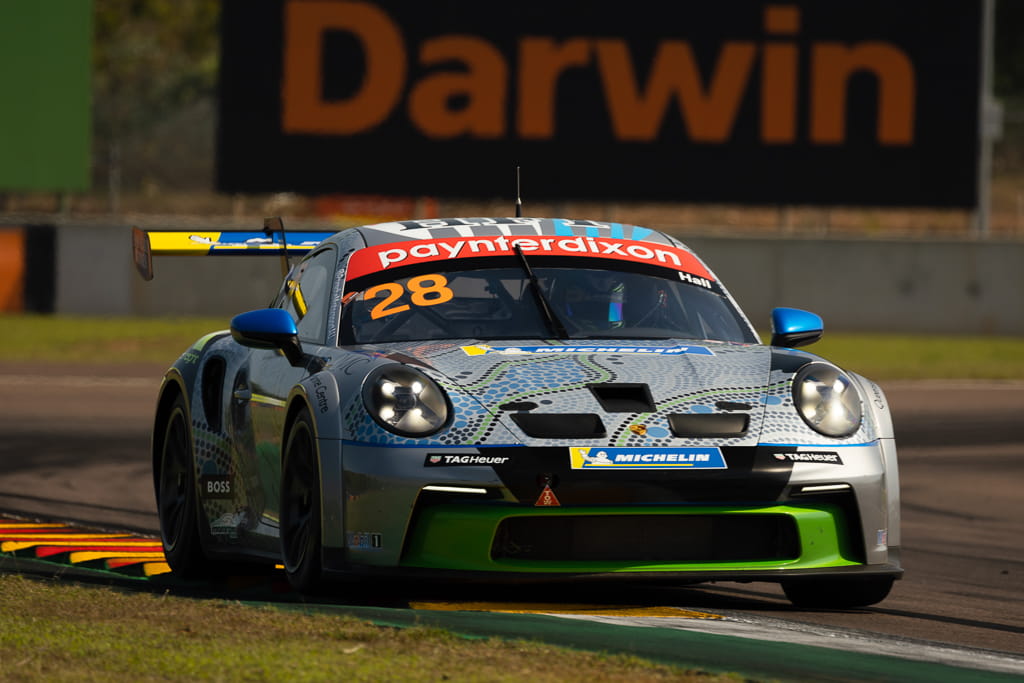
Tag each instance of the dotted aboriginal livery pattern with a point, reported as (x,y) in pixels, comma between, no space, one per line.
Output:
(558,382)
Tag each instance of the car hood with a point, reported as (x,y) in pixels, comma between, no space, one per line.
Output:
(635,388)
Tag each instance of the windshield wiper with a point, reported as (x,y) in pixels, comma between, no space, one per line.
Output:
(554,324)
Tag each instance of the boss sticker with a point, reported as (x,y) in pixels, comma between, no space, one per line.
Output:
(215,486)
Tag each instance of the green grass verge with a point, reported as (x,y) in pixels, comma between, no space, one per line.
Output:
(80,339)
(57,631)
(888,357)
(160,340)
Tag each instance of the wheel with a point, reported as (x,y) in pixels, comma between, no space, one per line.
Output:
(300,507)
(837,593)
(177,502)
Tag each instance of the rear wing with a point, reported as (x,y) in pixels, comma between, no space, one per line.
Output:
(271,241)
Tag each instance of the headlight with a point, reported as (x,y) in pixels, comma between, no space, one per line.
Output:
(405,401)
(827,400)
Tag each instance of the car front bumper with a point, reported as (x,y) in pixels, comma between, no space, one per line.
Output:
(386,510)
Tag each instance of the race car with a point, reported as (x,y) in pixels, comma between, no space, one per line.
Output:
(519,398)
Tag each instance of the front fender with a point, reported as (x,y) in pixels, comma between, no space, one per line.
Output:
(181,378)
(320,394)
(876,406)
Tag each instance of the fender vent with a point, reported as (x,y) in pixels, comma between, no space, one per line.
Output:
(707,425)
(623,398)
(213,386)
(560,425)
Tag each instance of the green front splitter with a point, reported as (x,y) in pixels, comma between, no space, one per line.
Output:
(460,537)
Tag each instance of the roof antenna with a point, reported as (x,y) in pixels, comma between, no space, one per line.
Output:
(519,200)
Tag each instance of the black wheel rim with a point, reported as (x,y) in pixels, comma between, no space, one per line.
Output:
(298,514)
(175,481)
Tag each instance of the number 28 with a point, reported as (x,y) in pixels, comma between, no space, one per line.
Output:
(424,290)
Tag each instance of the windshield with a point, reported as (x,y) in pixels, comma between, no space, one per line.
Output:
(435,301)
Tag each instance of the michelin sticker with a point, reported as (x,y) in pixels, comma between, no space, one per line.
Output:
(549,350)
(647,458)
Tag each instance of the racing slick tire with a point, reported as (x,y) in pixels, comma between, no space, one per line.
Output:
(837,593)
(177,500)
(301,550)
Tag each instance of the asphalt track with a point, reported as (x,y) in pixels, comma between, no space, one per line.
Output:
(74,440)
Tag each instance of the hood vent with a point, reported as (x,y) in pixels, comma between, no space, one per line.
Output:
(708,425)
(623,398)
(560,425)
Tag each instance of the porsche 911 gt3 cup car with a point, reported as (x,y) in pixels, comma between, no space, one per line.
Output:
(519,398)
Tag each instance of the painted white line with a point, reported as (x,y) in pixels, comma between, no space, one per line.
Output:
(850,640)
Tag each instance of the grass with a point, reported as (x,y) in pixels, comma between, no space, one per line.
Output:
(54,631)
(888,357)
(881,357)
(91,340)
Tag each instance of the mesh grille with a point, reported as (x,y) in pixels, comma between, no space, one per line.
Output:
(648,538)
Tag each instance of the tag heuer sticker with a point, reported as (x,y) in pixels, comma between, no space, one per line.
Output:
(821,457)
(446,460)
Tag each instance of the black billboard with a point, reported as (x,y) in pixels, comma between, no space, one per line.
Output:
(871,102)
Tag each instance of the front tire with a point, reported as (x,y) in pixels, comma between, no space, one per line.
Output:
(301,524)
(177,501)
(837,593)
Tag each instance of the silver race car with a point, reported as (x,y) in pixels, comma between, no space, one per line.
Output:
(519,398)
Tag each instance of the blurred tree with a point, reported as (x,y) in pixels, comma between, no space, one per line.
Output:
(1009,49)
(1009,89)
(151,58)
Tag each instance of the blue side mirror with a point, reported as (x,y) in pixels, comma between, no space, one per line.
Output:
(792,327)
(269,328)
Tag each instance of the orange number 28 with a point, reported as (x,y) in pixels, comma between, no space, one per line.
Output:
(424,290)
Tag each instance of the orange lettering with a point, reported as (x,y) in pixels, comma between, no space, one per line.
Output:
(541,62)
(304,109)
(464,88)
(832,66)
(782,19)
(779,77)
(484,84)
(708,113)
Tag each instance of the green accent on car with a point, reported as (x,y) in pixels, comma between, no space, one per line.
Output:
(459,537)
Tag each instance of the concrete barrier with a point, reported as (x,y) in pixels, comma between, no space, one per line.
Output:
(915,286)
(907,286)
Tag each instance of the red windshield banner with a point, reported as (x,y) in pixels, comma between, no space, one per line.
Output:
(397,254)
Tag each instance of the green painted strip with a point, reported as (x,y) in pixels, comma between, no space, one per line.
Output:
(723,654)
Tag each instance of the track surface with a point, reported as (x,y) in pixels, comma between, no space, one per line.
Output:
(75,443)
